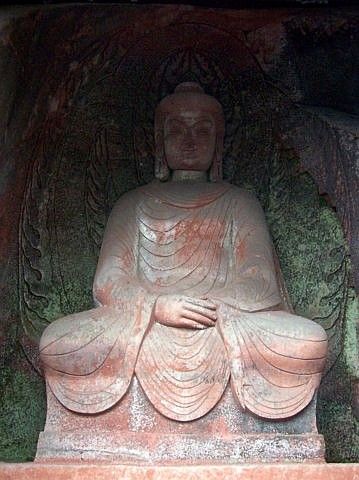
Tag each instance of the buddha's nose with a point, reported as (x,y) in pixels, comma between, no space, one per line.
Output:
(189,141)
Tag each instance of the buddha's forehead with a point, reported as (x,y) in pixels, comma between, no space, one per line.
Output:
(189,105)
(189,115)
(189,111)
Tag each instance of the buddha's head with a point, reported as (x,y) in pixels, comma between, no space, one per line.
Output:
(189,131)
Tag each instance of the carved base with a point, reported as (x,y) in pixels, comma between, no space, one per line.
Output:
(33,471)
(133,432)
(151,449)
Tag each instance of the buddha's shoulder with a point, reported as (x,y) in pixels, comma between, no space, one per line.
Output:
(155,188)
(241,193)
(129,198)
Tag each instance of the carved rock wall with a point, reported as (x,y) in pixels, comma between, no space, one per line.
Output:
(79,89)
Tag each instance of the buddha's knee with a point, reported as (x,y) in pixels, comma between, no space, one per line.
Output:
(65,337)
(51,334)
(315,341)
(300,327)
(62,331)
(314,331)
(310,335)
(319,338)
(77,343)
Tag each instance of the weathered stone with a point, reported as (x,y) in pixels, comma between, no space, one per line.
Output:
(199,472)
(52,58)
(189,298)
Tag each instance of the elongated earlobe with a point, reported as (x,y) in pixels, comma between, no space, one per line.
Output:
(162,172)
(215,172)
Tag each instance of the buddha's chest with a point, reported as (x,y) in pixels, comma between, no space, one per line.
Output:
(190,230)
(183,245)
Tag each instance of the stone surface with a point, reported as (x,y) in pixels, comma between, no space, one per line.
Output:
(135,432)
(205,472)
(52,117)
(189,298)
(179,449)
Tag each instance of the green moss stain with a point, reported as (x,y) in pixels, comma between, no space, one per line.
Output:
(341,432)
(22,414)
(314,259)
(351,337)
(335,417)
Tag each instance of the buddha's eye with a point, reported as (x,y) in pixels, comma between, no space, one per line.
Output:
(203,129)
(174,132)
(174,129)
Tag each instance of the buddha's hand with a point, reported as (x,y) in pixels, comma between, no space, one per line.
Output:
(184,312)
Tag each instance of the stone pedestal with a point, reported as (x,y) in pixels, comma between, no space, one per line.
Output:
(133,432)
(33,471)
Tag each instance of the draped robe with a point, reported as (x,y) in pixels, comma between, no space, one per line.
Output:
(195,239)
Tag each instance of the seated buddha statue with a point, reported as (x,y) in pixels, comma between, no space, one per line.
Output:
(188,292)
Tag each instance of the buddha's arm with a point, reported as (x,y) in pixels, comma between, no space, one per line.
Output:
(252,285)
(116,275)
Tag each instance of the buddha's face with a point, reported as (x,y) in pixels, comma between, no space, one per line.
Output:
(189,139)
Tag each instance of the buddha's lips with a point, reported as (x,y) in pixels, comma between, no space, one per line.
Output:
(189,155)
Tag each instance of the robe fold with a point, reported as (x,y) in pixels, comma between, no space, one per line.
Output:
(195,239)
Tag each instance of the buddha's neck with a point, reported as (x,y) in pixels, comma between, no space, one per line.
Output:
(191,175)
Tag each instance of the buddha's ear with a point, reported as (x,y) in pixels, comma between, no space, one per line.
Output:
(162,172)
(215,172)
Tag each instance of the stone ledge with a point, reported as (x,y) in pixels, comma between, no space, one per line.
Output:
(133,448)
(32,471)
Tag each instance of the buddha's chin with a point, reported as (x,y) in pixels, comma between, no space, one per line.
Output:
(192,163)
(188,163)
